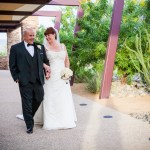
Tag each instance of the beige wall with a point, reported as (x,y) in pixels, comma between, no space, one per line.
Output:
(15,36)
(30,22)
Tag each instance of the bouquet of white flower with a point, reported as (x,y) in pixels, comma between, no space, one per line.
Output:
(66,74)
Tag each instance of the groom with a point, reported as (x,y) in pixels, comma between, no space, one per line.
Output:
(26,66)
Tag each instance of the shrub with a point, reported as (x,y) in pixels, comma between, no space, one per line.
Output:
(94,83)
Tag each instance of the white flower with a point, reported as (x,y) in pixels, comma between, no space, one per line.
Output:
(39,46)
(88,67)
(66,73)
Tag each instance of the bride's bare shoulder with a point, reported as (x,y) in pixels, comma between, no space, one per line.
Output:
(63,46)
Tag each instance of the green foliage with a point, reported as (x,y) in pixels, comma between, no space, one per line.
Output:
(67,27)
(133,20)
(40,35)
(67,32)
(123,64)
(94,82)
(81,73)
(91,41)
(147,11)
(3,53)
(141,59)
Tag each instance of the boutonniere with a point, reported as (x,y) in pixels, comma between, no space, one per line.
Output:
(39,46)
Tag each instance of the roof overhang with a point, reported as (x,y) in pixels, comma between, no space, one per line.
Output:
(65,2)
(12,12)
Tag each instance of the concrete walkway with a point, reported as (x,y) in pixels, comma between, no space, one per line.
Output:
(93,131)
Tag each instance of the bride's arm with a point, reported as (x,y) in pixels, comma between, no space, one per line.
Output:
(67,62)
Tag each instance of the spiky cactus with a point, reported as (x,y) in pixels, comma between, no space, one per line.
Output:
(142,55)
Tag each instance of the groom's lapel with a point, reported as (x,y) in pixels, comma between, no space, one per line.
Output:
(39,52)
(26,53)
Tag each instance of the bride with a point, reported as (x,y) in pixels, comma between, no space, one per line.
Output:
(57,110)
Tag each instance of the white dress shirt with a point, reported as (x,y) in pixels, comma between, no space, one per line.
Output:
(30,49)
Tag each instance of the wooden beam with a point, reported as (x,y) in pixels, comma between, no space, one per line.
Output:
(47,13)
(56,14)
(1,25)
(1,30)
(9,26)
(111,48)
(9,21)
(19,13)
(34,11)
(26,1)
(64,2)
(57,21)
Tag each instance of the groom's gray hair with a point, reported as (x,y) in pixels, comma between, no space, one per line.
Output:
(28,30)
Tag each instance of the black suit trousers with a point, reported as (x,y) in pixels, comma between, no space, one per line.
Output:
(32,95)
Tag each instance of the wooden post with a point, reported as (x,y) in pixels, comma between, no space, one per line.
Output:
(111,49)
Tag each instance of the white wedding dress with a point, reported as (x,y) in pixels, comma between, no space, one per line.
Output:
(57,108)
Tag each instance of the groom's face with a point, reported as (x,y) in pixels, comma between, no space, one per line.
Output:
(29,36)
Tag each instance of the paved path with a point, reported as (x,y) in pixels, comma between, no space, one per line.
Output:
(93,132)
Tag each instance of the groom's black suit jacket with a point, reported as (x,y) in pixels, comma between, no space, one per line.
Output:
(19,62)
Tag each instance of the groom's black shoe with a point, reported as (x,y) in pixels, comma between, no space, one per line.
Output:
(30,130)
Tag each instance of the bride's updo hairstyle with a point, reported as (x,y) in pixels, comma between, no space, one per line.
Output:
(50,30)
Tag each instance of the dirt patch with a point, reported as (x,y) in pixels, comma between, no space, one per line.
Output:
(128,103)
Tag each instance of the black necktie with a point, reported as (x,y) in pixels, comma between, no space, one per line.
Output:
(30,44)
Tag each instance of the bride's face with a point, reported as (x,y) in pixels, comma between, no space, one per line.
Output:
(50,37)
